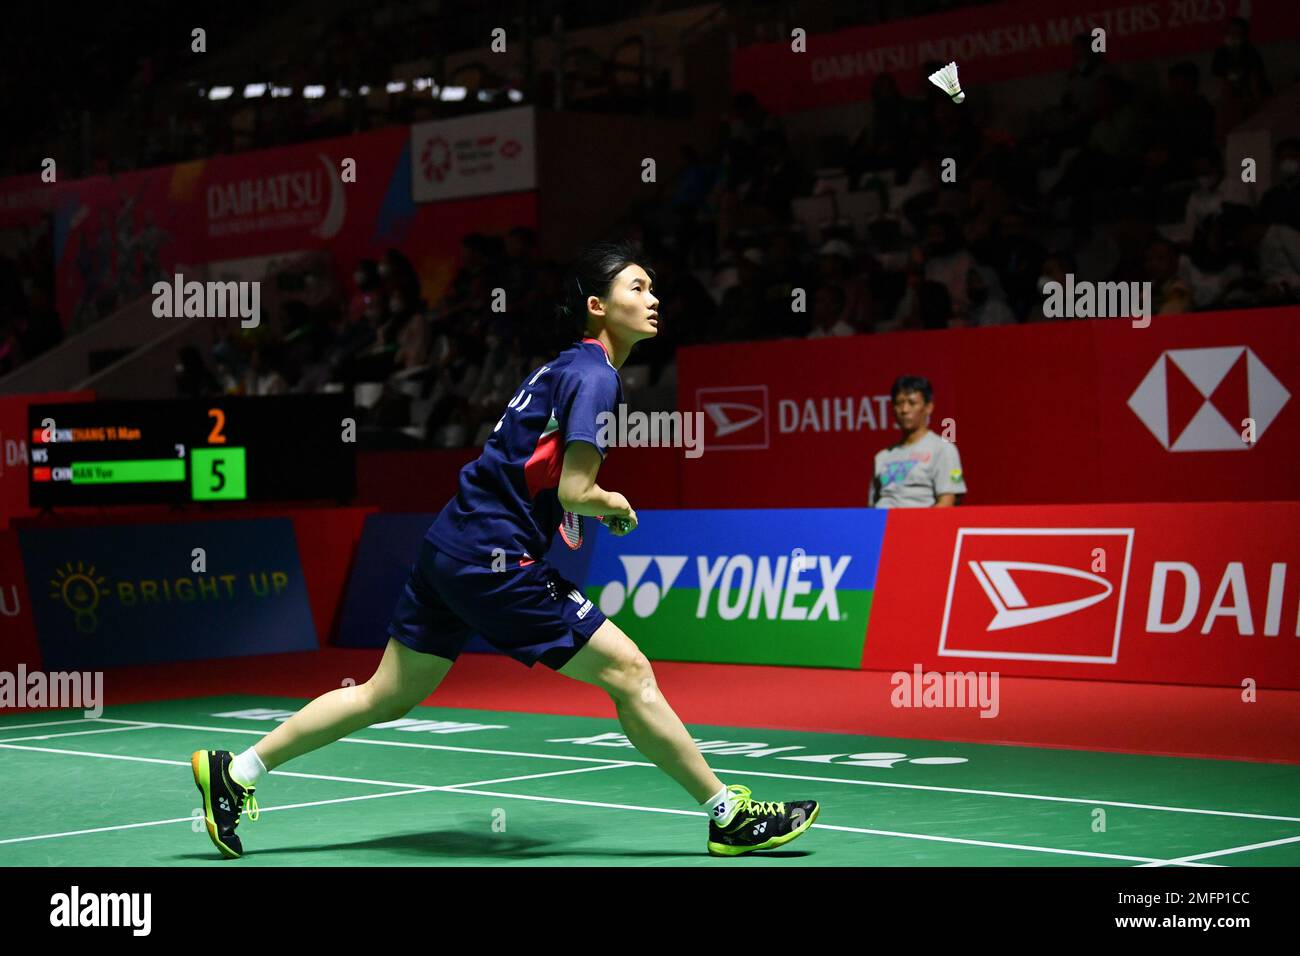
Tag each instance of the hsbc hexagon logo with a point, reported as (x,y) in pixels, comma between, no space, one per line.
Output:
(1196,399)
(1037,594)
(735,417)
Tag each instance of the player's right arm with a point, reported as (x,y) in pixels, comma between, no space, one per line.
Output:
(578,491)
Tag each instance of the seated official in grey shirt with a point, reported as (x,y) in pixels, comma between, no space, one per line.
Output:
(922,470)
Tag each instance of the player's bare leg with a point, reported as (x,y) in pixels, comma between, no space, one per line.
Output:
(737,824)
(403,680)
(227,782)
(613,663)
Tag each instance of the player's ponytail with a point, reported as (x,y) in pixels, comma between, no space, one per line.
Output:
(592,273)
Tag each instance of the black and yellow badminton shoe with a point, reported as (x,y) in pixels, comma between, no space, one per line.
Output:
(224,800)
(760,825)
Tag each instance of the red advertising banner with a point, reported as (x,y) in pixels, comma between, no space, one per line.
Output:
(18,644)
(1043,413)
(24,200)
(13,448)
(1184,594)
(116,236)
(989,43)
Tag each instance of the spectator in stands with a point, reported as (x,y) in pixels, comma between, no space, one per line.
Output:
(366,280)
(744,305)
(1159,267)
(519,268)
(263,377)
(828,313)
(835,267)
(1079,99)
(1210,266)
(1186,120)
(193,379)
(399,279)
(747,125)
(921,470)
(947,260)
(1281,204)
(1245,80)
(1116,139)
(1054,269)
(884,140)
(1207,199)
(1278,255)
(988,303)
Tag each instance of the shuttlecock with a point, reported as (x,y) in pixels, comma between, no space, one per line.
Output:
(946,80)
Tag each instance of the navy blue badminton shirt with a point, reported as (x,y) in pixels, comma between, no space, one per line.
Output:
(507,499)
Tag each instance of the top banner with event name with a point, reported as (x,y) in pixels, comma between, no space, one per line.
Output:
(990,43)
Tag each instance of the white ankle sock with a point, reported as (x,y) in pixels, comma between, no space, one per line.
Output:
(247,768)
(721,807)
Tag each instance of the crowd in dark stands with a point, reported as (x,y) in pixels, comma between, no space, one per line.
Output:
(1114,182)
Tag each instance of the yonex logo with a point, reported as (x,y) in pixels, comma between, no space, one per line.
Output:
(645,595)
(223,803)
(761,828)
(1197,399)
(734,585)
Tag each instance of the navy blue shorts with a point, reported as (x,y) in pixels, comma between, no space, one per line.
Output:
(531,613)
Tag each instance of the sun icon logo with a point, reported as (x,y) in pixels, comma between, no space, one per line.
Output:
(79,588)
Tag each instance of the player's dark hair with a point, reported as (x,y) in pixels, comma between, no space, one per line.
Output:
(592,273)
(912,383)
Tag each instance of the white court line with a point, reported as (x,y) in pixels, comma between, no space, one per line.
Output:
(817,826)
(464,788)
(1006,846)
(191,818)
(1235,849)
(5,728)
(393,743)
(408,788)
(76,733)
(784,776)
(186,763)
(87,753)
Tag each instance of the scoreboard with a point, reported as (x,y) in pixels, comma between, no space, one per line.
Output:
(272,448)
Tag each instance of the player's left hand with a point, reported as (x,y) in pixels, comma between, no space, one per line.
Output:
(622,526)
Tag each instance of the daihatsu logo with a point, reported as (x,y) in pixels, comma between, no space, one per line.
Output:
(737,416)
(1057,594)
(721,414)
(1012,610)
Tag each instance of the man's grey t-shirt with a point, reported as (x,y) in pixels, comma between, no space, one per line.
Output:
(913,476)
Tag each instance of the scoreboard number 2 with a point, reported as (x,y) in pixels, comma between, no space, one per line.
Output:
(215,437)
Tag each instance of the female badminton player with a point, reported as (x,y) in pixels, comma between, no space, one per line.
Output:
(482,569)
